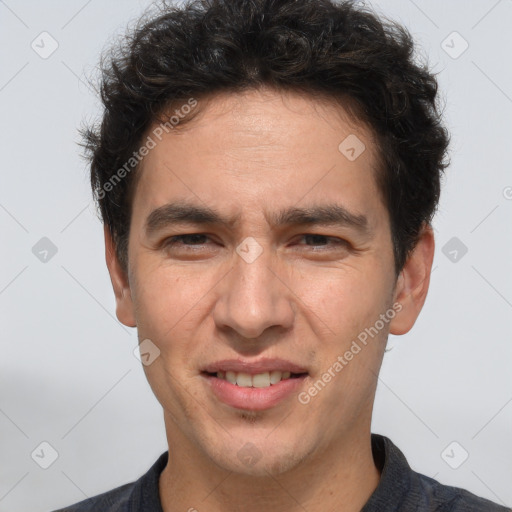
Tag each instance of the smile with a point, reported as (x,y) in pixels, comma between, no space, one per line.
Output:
(259,380)
(253,392)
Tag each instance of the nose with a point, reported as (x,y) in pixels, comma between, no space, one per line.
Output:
(252,298)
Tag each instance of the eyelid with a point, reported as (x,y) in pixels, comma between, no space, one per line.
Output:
(336,240)
(172,240)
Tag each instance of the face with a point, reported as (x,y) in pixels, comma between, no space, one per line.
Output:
(257,247)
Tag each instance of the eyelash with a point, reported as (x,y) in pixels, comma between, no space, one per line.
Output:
(174,240)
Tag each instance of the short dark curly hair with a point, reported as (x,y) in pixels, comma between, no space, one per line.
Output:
(337,49)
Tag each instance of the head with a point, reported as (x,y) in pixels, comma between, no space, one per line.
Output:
(267,173)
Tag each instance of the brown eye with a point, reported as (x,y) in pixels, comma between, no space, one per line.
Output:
(192,239)
(323,241)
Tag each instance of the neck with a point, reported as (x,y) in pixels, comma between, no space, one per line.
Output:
(341,478)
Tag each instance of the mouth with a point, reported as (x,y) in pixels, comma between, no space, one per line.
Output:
(254,385)
(258,380)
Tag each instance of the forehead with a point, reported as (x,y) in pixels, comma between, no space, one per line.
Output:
(260,117)
(240,150)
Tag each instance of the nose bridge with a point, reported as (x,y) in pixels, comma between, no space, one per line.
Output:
(253,298)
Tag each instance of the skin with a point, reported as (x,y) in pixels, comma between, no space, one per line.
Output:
(302,299)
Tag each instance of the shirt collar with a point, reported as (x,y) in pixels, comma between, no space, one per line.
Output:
(393,487)
(395,479)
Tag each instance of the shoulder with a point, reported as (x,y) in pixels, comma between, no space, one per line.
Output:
(139,495)
(454,499)
(401,489)
(116,500)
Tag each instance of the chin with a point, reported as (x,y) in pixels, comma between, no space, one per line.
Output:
(258,457)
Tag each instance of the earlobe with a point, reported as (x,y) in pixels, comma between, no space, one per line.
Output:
(413,282)
(124,304)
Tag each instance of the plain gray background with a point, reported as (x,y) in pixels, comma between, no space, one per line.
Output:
(68,376)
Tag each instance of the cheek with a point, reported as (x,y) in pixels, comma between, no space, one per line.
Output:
(348,300)
(167,300)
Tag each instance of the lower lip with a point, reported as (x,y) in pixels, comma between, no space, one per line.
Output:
(254,399)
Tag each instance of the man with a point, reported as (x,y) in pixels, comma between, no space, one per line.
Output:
(267,172)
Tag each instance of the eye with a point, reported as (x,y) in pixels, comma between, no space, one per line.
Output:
(188,240)
(193,243)
(330,242)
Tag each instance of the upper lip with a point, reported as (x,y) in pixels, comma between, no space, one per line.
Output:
(254,367)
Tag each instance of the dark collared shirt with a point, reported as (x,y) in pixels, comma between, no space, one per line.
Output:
(400,490)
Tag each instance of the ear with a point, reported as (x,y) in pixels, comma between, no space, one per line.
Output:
(413,282)
(120,283)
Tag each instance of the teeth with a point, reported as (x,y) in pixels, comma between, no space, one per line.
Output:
(260,380)
(244,380)
(275,376)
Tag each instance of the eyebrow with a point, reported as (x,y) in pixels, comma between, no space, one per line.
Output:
(330,214)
